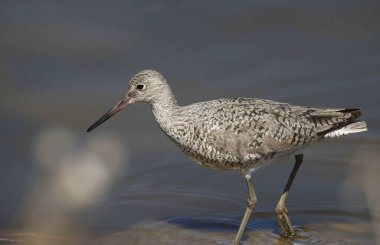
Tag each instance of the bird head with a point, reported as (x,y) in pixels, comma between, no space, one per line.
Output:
(146,86)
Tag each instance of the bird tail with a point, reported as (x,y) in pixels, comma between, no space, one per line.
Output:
(355,127)
(331,123)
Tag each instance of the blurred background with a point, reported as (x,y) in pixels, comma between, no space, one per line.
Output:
(64,63)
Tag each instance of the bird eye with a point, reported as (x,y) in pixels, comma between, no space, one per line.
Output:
(140,86)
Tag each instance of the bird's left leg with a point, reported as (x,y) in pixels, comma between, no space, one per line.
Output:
(281,211)
(251,201)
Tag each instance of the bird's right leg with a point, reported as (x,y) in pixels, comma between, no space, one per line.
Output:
(250,205)
(286,227)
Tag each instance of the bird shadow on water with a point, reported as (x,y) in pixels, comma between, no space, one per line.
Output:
(221,230)
(311,227)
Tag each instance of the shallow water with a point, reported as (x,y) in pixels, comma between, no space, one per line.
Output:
(63,64)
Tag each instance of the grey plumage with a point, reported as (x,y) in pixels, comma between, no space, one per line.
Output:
(242,133)
(239,133)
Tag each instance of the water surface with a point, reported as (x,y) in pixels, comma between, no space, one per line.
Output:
(63,64)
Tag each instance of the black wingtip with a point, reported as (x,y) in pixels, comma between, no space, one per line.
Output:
(355,112)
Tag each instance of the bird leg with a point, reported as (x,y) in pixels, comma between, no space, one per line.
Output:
(281,211)
(251,201)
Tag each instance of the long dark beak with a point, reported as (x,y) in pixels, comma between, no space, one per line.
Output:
(116,108)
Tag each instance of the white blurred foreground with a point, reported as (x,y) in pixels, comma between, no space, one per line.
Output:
(72,175)
(364,178)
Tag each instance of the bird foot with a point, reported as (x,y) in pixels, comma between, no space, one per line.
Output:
(284,223)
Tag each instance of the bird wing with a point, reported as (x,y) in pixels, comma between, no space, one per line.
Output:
(246,129)
(258,128)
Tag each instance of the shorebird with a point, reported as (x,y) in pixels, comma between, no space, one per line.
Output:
(240,134)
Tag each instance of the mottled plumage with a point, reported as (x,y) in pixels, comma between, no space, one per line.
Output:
(238,134)
(244,134)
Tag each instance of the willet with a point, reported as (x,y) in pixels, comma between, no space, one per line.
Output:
(241,134)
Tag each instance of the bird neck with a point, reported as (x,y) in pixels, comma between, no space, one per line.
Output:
(164,108)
